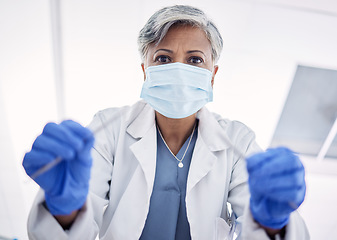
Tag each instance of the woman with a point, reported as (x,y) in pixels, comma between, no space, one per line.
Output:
(165,167)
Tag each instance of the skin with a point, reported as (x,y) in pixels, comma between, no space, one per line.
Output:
(184,44)
(67,220)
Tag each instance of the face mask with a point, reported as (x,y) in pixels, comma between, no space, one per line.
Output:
(177,90)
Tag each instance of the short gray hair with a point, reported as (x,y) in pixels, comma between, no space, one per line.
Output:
(160,22)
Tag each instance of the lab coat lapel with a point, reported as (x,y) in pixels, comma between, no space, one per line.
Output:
(143,128)
(210,140)
(136,197)
(202,162)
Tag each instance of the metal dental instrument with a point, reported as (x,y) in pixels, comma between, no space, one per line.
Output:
(235,149)
(242,155)
(57,160)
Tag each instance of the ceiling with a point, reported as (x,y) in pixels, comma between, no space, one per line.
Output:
(265,41)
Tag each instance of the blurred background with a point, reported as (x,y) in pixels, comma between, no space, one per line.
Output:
(69,59)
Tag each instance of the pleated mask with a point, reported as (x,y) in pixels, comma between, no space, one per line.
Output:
(177,90)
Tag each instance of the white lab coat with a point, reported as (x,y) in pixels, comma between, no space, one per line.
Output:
(123,175)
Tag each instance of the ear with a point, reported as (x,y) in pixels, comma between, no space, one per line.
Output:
(143,68)
(216,67)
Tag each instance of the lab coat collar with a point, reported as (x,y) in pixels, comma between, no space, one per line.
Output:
(210,130)
(214,135)
(211,138)
(143,120)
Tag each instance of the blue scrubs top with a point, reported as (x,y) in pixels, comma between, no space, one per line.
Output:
(167,218)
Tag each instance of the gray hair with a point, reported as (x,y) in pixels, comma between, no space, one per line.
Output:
(160,22)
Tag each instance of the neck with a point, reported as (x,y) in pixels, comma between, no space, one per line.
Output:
(175,131)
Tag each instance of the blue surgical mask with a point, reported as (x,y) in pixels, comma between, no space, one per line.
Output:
(177,90)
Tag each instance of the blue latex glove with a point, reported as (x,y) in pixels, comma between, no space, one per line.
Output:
(66,185)
(277,186)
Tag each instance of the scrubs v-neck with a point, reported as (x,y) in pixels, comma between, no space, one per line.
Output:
(167,218)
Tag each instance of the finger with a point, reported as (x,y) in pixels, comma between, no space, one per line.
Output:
(86,136)
(278,208)
(293,179)
(82,132)
(294,195)
(278,165)
(85,154)
(63,135)
(283,194)
(257,161)
(80,171)
(81,168)
(298,200)
(34,159)
(53,146)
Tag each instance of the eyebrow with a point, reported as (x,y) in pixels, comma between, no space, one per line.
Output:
(170,51)
(163,49)
(193,51)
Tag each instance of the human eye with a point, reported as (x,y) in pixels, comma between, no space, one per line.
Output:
(163,59)
(195,60)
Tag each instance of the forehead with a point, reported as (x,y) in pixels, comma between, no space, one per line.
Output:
(185,36)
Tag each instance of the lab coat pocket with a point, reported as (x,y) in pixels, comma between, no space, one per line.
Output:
(222,229)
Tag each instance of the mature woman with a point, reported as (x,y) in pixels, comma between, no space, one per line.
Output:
(165,168)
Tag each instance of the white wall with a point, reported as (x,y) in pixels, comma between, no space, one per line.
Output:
(26,100)
(264,42)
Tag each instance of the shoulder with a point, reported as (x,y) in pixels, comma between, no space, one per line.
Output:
(111,123)
(231,127)
(220,133)
(121,114)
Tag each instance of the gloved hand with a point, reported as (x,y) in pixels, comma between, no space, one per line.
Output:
(277,186)
(66,185)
